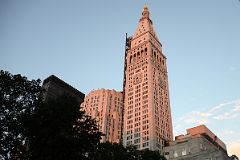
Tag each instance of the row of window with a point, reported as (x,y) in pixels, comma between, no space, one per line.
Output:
(137,113)
(136,143)
(137,55)
(137,90)
(138,68)
(158,58)
(143,63)
(186,151)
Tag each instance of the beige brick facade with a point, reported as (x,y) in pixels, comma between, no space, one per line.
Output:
(106,107)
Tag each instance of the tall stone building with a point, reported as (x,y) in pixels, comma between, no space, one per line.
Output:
(106,107)
(147,115)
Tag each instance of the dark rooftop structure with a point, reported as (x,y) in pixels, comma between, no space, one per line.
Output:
(55,87)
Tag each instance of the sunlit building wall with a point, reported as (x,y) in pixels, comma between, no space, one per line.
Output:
(106,107)
(147,114)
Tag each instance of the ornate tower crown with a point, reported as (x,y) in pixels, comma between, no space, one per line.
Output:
(145,25)
(145,13)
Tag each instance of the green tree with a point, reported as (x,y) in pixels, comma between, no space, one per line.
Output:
(59,130)
(151,155)
(118,152)
(18,98)
(110,151)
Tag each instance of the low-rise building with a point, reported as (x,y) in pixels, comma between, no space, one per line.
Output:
(198,144)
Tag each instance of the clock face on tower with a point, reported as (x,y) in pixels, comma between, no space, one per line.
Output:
(137,78)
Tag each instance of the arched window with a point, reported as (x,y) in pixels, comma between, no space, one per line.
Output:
(130,59)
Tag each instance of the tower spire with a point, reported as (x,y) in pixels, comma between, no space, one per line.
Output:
(145,24)
(145,12)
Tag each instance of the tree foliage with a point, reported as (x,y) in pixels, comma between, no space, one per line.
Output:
(151,155)
(58,130)
(118,152)
(18,98)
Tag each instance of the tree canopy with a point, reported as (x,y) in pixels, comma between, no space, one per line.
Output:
(119,152)
(18,98)
(58,130)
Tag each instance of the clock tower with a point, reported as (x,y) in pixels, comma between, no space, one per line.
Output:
(147,114)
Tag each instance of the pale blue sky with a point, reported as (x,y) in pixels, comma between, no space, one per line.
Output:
(82,42)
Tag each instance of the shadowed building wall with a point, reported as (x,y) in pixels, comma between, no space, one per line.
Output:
(55,87)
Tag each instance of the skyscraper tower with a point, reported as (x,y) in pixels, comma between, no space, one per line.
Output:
(147,114)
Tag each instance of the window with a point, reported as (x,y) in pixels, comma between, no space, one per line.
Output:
(129,137)
(167,155)
(175,154)
(137,141)
(145,127)
(184,151)
(137,130)
(130,116)
(136,135)
(145,121)
(129,143)
(145,144)
(145,138)
(130,59)
(129,122)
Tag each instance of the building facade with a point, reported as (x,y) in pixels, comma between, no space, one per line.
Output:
(199,144)
(106,107)
(55,87)
(147,114)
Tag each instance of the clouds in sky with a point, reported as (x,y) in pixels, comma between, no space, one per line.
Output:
(222,119)
(233,68)
(234,148)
